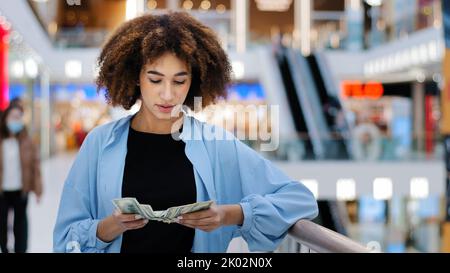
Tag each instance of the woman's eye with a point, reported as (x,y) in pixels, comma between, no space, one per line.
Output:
(155,81)
(180,82)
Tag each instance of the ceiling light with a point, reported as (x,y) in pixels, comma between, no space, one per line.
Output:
(345,189)
(312,185)
(188,4)
(31,68)
(271,5)
(205,5)
(152,4)
(382,188)
(419,187)
(374,3)
(221,8)
(73,69)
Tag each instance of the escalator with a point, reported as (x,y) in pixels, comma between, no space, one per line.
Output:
(308,97)
(338,145)
(295,107)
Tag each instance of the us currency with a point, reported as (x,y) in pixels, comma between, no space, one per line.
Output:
(128,205)
(131,205)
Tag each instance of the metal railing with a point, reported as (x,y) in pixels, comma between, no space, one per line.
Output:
(382,149)
(319,239)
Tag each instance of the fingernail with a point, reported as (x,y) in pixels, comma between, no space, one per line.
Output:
(137,217)
(146,222)
(180,217)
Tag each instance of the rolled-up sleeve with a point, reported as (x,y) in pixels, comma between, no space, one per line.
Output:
(272,201)
(76,227)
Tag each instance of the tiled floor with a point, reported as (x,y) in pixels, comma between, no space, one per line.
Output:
(42,216)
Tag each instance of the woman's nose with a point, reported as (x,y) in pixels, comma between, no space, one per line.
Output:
(167,93)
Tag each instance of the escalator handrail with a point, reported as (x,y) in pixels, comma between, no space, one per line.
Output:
(322,240)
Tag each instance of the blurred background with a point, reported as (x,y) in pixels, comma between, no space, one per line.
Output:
(364,105)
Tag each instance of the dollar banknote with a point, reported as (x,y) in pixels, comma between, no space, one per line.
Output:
(131,205)
(128,205)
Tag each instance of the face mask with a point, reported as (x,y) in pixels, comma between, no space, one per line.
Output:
(15,126)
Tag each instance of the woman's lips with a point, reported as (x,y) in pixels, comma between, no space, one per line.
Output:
(165,108)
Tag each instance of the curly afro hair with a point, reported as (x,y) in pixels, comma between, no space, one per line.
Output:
(146,38)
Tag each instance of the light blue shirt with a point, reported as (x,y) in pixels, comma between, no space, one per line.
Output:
(226,171)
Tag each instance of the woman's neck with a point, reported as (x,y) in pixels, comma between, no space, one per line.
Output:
(146,122)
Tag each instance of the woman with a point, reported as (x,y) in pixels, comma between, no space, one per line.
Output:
(165,61)
(19,175)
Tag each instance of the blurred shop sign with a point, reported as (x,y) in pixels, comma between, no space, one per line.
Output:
(4,48)
(359,90)
(85,92)
(246,92)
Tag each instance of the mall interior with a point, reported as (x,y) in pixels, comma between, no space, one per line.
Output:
(359,88)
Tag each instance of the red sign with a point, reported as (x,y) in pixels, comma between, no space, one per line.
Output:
(4,98)
(359,90)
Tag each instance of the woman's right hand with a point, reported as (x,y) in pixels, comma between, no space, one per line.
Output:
(116,224)
(128,221)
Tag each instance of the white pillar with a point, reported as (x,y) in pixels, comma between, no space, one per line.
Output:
(172,4)
(240,10)
(134,8)
(302,25)
(45,113)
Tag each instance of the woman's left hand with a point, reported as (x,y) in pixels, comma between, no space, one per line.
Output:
(206,220)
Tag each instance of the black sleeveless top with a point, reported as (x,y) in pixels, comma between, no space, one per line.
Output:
(157,172)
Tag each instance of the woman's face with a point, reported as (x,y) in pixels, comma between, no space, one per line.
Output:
(14,121)
(15,115)
(164,84)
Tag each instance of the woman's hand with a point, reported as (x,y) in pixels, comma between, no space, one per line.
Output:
(213,218)
(111,227)
(128,221)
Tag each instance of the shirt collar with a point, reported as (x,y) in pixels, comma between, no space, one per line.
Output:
(192,129)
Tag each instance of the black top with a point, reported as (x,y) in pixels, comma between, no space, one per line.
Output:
(157,172)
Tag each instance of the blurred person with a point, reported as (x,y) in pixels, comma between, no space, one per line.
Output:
(335,116)
(17,101)
(276,39)
(165,158)
(366,140)
(79,133)
(14,101)
(19,175)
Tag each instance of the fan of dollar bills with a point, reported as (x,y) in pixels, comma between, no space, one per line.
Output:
(131,205)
